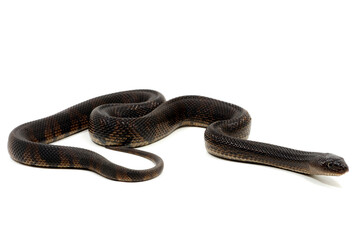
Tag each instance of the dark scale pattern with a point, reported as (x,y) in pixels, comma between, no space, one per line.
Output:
(124,120)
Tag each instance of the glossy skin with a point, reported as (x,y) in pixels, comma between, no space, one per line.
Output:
(124,120)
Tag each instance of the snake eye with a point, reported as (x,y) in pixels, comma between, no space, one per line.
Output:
(334,166)
(330,165)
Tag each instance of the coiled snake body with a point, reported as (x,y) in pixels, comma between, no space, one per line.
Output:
(125,120)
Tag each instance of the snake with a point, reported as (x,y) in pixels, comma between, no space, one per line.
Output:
(126,120)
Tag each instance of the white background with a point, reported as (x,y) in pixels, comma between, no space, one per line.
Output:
(294,65)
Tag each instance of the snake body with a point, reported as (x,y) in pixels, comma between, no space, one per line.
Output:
(125,120)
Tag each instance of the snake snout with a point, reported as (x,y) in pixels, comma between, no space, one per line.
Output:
(335,164)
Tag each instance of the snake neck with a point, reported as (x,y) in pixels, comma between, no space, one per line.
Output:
(233,148)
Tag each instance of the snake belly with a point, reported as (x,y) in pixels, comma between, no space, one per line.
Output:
(125,120)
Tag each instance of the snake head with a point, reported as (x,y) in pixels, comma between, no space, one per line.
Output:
(329,164)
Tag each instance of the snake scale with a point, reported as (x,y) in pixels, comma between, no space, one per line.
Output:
(125,120)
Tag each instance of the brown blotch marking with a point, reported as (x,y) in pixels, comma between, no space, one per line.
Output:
(64,161)
(137,138)
(123,177)
(78,121)
(74,125)
(84,121)
(76,162)
(57,131)
(32,157)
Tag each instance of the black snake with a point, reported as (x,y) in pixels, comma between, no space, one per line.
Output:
(125,120)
